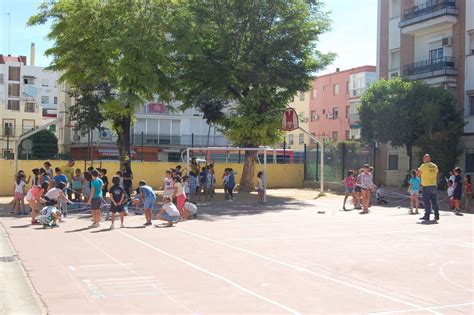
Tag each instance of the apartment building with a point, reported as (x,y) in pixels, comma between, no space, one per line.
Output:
(25,90)
(430,40)
(295,140)
(334,101)
(160,133)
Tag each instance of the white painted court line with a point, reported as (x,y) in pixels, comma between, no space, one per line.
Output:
(428,308)
(143,293)
(443,275)
(310,236)
(114,284)
(354,286)
(433,240)
(228,281)
(149,284)
(106,266)
(123,279)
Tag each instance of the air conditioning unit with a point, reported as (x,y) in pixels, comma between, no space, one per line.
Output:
(447,41)
(329,116)
(105,134)
(394,74)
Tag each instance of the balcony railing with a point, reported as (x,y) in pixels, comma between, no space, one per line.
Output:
(428,10)
(430,68)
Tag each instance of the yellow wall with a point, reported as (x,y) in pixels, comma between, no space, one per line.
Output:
(279,176)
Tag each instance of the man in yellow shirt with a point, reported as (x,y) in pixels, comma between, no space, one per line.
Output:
(429,173)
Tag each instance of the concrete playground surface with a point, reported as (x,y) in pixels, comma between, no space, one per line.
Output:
(293,255)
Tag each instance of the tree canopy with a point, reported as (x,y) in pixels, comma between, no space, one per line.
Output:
(45,145)
(119,43)
(412,113)
(256,54)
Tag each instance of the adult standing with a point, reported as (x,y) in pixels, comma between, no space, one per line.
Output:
(68,170)
(457,193)
(428,175)
(127,176)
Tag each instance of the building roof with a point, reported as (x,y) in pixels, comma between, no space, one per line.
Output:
(9,58)
(365,68)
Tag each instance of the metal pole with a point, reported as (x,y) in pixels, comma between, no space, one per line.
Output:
(7,129)
(304,161)
(321,193)
(317,162)
(264,175)
(343,158)
(239,156)
(187,161)
(192,140)
(284,151)
(142,147)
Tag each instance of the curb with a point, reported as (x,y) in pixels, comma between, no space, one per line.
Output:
(16,282)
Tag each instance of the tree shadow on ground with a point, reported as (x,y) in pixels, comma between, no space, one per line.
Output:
(245,204)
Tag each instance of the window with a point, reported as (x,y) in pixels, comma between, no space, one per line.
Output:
(44,99)
(30,107)
(336,89)
(394,9)
(471,42)
(334,136)
(315,93)
(324,111)
(469,163)
(395,60)
(28,125)
(436,54)
(28,80)
(290,139)
(348,108)
(302,96)
(471,104)
(7,154)
(348,134)
(55,100)
(44,82)
(314,116)
(13,90)
(14,73)
(13,105)
(301,138)
(312,140)
(393,162)
(8,127)
(335,112)
(1,78)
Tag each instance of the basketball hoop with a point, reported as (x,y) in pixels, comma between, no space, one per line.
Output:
(290,120)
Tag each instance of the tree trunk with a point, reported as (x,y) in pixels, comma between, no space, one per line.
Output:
(208,134)
(248,174)
(123,141)
(410,156)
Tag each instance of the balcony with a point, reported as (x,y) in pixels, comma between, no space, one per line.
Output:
(430,68)
(432,12)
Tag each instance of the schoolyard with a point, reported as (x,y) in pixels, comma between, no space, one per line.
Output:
(297,254)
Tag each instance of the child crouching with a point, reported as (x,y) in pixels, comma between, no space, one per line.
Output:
(168,212)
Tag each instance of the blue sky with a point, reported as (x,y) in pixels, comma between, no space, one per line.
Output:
(353,36)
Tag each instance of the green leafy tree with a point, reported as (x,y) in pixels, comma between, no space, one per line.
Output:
(86,110)
(255,54)
(212,109)
(412,114)
(120,43)
(45,145)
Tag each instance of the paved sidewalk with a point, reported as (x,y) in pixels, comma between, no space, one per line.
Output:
(17,295)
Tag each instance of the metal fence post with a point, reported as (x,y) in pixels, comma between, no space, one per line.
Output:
(142,148)
(304,161)
(317,161)
(343,158)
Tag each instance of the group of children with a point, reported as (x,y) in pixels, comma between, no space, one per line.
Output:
(360,185)
(353,185)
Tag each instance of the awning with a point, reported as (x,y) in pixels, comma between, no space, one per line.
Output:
(113,152)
